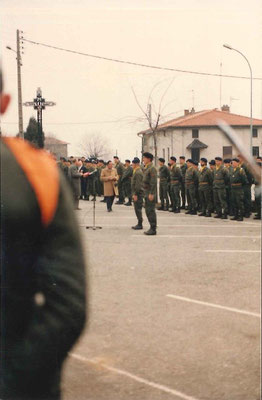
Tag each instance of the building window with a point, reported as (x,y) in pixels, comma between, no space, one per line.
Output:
(168,153)
(227,152)
(164,154)
(256,151)
(195,133)
(254,132)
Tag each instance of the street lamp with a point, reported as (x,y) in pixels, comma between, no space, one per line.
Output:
(227,46)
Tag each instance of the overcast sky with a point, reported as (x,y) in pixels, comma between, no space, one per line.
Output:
(95,96)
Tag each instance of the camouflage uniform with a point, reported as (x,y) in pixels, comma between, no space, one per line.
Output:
(149,187)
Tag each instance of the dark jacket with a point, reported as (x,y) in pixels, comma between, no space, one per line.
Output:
(137,182)
(75,179)
(150,179)
(37,260)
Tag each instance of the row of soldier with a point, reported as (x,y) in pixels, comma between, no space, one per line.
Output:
(223,187)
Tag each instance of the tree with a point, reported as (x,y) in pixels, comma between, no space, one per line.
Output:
(95,145)
(33,134)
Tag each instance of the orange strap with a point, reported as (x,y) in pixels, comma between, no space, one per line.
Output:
(41,172)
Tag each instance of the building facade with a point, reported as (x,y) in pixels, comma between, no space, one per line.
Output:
(56,146)
(196,135)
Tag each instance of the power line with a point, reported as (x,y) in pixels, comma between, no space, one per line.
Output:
(137,64)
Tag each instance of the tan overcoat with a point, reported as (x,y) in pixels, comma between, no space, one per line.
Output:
(109,185)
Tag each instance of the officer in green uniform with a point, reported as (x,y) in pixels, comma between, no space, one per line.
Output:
(126,182)
(183,168)
(212,166)
(237,179)
(205,187)
(169,188)
(120,170)
(221,179)
(164,178)
(149,188)
(196,185)
(258,189)
(175,181)
(137,192)
(190,181)
(247,187)
(228,166)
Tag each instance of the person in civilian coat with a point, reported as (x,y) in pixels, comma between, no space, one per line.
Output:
(109,178)
(75,178)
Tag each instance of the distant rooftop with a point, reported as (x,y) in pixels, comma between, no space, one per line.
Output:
(52,140)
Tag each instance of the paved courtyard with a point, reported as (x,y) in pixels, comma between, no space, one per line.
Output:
(174,316)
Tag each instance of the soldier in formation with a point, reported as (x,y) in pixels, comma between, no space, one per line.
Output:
(126,182)
(164,178)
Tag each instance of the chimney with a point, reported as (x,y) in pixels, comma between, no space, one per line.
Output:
(192,110)
(225,108)
(186,112)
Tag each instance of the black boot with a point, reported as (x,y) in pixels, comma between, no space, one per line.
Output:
(247,215)
(177,211)
(138,227)
(161,208)
(193,212)
(234,218)
(224,216)
(208,214)
(219,215)
(129,203)
(202,214)
(151,231)
(188,212)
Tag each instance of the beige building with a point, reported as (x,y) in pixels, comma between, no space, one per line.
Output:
(56,146)
(196,134)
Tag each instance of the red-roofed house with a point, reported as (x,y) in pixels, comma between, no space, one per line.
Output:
(196,134)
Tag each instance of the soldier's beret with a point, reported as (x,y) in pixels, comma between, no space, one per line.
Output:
(190,160)
(218,158)
(161,160)
(203,159)
(182,157)
(227,161)
(148,155)
(173,158)
(212,162)
(116,157)
(195,163)
(127,161)
(136,160)
(236,159)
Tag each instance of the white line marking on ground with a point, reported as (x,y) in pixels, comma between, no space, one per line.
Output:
(236,310)
(187,226)
(232,251)
(134,377)
(203,236)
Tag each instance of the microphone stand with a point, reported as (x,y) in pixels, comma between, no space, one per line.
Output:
(94,227)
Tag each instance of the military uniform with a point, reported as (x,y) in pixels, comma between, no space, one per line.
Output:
(247,190)
(190,183)
(229,192)
(258,189)
(137,190)
(183,169)
(221,179)
(120,170)
(175,181)
(164,177)
(149,187)
(205,178)
(238,180)
(126,183)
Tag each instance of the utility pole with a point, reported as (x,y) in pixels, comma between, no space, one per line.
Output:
(39,104)
(19,85)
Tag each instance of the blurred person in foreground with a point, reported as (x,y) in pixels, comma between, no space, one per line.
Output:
(43,300)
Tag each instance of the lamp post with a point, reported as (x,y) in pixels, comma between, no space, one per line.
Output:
(227,46)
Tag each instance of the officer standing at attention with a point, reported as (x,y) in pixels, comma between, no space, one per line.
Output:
(149,188)
(221,179)
(190,181)
(238,179)
(164,177)
(120,170)
(169,188)
(175,181)
(205,188)
(126,182)
(183,168)
(137,192)
(247,187)
(228,166)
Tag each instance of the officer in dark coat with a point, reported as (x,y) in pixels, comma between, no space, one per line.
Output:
(149,188)
(75,177)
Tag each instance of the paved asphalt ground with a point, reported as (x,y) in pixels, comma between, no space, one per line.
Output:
(175,316)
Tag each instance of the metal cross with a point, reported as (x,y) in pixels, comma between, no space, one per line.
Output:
(39,104)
